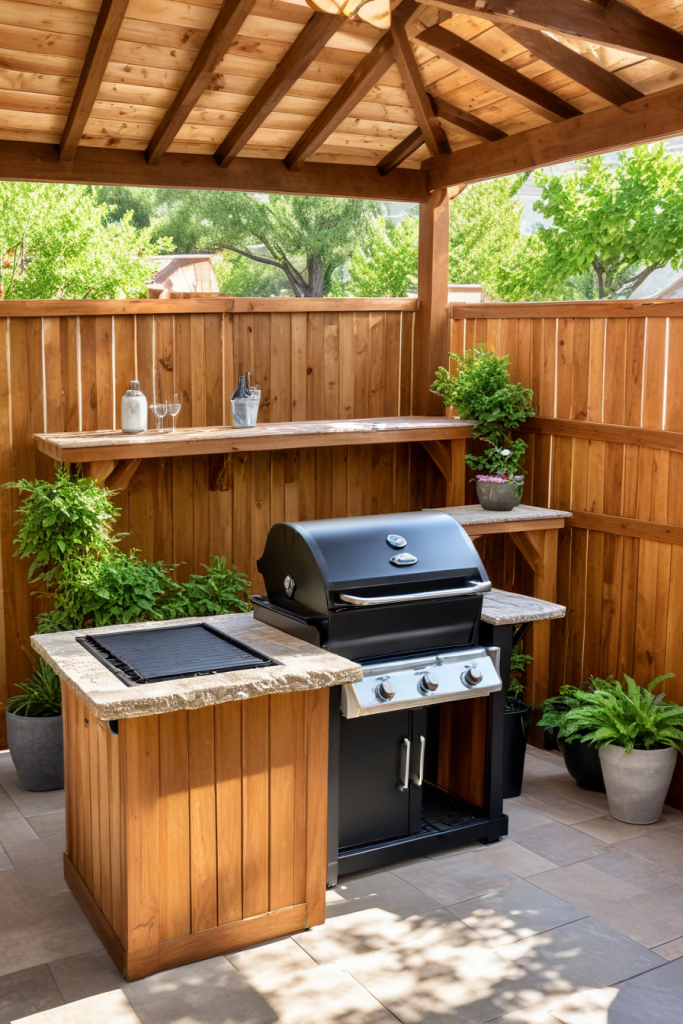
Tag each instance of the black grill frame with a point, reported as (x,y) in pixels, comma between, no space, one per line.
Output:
(128,674)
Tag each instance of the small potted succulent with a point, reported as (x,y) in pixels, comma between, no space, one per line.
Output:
(638,735)
(34,730)
(581,758)
(481,390)
(516,722)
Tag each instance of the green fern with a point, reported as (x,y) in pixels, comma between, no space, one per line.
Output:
(629,716)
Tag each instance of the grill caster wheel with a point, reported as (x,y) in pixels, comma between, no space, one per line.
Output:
(487,842)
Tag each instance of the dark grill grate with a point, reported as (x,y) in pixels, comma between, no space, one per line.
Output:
(171,652)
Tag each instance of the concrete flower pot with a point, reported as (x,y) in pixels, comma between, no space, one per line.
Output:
(37,749)
(496,496)
(637,783)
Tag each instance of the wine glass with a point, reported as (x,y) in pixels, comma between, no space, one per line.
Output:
(174,408)
(160,410)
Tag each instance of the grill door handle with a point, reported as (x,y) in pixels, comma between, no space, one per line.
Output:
(474,587)
(417,779)
(404,769)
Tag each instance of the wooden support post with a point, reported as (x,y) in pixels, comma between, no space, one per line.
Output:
(431,329)
(540,551)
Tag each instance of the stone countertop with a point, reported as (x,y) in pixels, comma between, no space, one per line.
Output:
(503,608)
(301,667)
(475,515)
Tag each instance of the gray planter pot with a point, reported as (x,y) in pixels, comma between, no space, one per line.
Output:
(496,497)
(37,749)
(637,783)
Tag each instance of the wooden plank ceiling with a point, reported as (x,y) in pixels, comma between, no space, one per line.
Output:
(273,81)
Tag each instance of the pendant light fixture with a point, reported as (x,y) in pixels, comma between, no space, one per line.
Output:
(375,12)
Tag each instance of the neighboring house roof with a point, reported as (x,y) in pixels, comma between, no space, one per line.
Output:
(183,275)
(672,291)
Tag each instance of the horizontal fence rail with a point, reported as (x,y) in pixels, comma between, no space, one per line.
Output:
(313,359)
(606,444)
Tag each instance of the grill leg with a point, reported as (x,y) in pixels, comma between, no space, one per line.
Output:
(333,788)
(496,636)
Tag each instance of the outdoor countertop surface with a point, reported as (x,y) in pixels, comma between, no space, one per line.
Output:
(503,608)
(301,667)
(475,515)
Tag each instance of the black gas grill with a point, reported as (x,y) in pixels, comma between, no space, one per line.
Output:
(139,656)
(401,594)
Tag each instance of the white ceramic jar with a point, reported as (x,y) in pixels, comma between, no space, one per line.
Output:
(133,410)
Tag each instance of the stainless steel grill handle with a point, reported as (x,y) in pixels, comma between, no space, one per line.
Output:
(474,587)
(417,779)
(404,770)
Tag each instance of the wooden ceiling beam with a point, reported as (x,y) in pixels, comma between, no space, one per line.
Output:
(430,126)
(399,153)
(574,65)
(364,76)
(616,25)
(495,73)
(229,20)
(102,41)
(33,161)
(648,119)
(464,121)
(315,35)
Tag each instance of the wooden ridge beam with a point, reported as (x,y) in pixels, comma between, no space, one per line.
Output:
(645,120)
(363,77)
(315,35)
(102,41)
(464,121)
(574,65)
(495,73)
(401,152)
(434,136)
(617,25)
(221,36)
(38,161)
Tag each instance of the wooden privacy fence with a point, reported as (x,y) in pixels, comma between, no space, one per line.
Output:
(607,444)
(65,365)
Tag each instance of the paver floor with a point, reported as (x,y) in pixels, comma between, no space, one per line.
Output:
(575,918)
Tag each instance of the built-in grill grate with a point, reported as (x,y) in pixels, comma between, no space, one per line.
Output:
(140,656)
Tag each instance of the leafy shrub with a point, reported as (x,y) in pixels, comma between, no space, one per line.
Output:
(629,716)
(217,592)
(41,694)
(515,691)
(481,390)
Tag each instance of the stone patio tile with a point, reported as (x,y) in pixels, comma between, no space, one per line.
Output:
(670,950)
(513,857)
(44,878)
(86,974)
(457,878)
(33,851)
(609,830)
(455,851)
(36,931)
(5,862)
(676,831)
(108,1008)
(437,975)
(590,1006)
(651,919)
(13,825)
(324,994)
(566,786)
(522,818)
(514,913)
(279,956)
(536,768)
(561,844)
(655,996)
(384,890)
(556,806)
(658,848)
(634,870)
(27,802)
(584,954)
(49,823)
(11,889)
(28,991)
(581,884)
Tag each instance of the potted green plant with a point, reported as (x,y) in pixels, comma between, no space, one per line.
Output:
(581,758)
(516,722)
(481,390)
(34,730)
(638,735)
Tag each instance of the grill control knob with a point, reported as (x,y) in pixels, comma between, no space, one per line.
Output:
(473,676)
(427,684)
(385,689)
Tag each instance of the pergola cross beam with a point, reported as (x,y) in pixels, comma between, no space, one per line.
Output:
(430,126)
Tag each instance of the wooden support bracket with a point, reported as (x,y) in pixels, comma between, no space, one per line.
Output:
(530,547)
(220,472)
(115,473)
(449,459)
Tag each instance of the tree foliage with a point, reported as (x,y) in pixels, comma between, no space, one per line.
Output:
(611,227)
(386,264)
(60,241)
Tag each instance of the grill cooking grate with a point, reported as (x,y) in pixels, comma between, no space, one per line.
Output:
(171,652)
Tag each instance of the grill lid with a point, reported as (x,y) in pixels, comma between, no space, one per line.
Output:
(171,652)
(306,566)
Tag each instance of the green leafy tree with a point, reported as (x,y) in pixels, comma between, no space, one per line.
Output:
(611,227)
(59,241)
(239,275)
(386,264)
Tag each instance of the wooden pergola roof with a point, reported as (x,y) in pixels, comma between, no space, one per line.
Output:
(268,95)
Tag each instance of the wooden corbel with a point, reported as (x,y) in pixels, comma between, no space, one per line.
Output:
(449,459)
(114,474)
